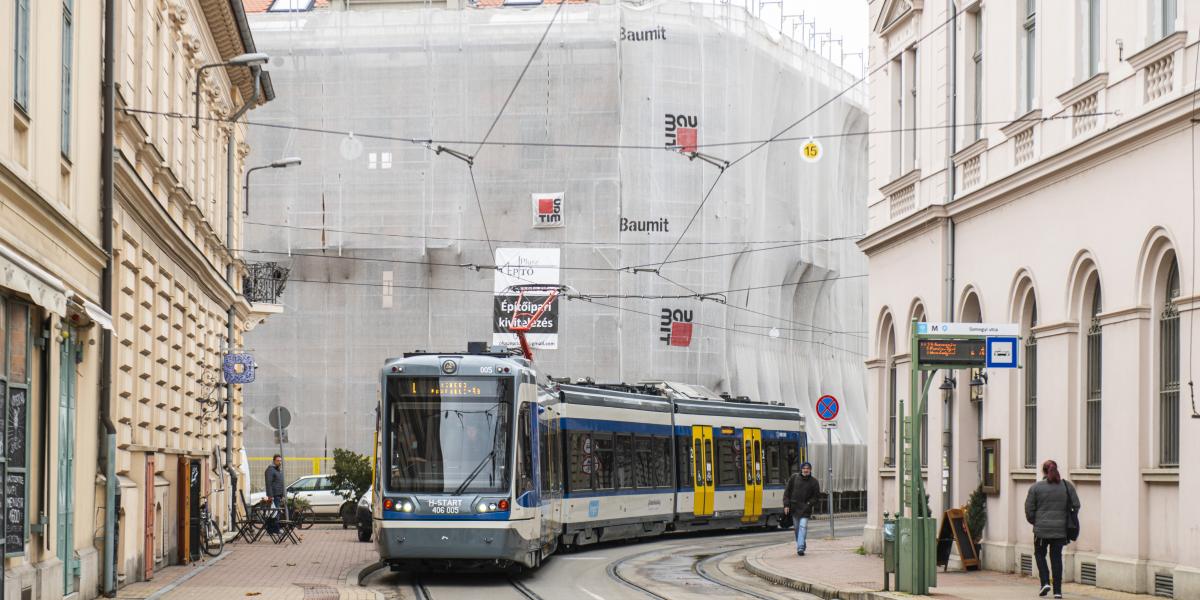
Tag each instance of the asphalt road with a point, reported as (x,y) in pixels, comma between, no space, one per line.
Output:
(683,567)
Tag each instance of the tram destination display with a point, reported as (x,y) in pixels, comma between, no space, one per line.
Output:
(448,387)
(952,353)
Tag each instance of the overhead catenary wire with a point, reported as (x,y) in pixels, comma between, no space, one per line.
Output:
(628,269)
(520,77)
(582,298)
(588,243)
(674,149)
(810,113)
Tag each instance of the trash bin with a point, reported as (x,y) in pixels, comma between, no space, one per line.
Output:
(890,561)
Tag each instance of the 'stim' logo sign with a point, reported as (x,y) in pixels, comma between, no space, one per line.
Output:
(675,325)
(548,210)
(682,131)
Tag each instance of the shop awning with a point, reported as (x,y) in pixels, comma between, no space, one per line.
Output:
(22,276)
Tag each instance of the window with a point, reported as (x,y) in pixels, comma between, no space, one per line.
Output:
(68,38)
(624,461)
(662,462)
(582,461)
(774,474)
(1092,23)
(1030,433)
(21,55)
(890,454)
(683,456)
(643,462)
(1163,18)
(1094,364)
(544,456)
(1030,54)
(976,21)
(910,110)
(602,479)
(896,70)
(1168,370)
(524,451)
(729,462)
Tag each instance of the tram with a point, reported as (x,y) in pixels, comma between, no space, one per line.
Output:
(485,462)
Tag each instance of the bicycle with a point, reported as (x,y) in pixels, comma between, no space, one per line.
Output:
(301,513)
(211,541)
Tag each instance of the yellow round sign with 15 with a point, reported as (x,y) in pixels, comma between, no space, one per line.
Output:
(811,151)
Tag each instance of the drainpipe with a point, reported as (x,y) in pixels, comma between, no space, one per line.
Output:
(952,114)
(229,278)
(108,583)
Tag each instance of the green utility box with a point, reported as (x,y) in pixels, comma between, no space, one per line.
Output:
(916,575)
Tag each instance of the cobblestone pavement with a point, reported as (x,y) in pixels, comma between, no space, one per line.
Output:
(832,566)
(322,567)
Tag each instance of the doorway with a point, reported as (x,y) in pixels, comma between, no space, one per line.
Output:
(65,539)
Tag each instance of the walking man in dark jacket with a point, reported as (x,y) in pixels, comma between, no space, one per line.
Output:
(1047,507)
(275,488)
(799,499)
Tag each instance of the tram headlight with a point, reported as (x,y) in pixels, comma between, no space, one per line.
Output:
(407,506)
(483,507)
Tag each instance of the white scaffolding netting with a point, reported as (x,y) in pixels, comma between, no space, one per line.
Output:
(373,229)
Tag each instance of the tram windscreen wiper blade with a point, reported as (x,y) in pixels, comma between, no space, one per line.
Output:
(474,473)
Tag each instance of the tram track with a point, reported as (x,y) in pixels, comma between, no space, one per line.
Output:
(421,589)
(700,567)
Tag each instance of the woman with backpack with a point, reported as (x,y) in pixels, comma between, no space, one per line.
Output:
(1052,508)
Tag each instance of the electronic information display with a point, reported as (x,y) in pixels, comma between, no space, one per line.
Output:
(951,353)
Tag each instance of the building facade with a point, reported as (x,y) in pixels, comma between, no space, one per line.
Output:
(50,323)
(1033,162)
(389,251)
(176,280)
(173,292)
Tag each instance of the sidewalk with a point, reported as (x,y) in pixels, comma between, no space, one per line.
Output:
(322,567)
(834,569)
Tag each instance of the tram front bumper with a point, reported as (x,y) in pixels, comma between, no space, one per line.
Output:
(409,541)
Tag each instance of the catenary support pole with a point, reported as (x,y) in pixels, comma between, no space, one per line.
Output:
(829,479)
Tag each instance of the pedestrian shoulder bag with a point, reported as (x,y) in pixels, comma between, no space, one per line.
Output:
(1072,514)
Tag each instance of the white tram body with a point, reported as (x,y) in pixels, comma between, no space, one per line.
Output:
(485,462)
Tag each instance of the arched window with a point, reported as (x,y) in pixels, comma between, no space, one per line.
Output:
(889,456)
(1168,372)
(1030,392)
(1094,365)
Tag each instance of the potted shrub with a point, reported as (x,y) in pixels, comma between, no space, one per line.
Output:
(977,517)
(351,478)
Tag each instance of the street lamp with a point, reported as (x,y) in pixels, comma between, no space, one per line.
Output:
(979,380)
(291,161)
(253,59)
(948,383)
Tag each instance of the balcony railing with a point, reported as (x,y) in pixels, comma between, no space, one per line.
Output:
(264,282)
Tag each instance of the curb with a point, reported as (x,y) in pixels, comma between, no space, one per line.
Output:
(821,590)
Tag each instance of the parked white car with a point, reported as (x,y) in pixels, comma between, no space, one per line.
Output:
(317,490)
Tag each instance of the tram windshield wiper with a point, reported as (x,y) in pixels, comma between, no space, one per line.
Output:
(474,473)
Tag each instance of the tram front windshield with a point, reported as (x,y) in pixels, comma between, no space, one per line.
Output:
(448,434)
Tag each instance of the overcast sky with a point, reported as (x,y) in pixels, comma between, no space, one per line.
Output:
(846,19)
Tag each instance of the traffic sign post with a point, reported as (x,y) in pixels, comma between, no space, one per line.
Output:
(937,346)
(827,410)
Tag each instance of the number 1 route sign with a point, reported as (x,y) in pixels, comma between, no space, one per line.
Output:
(827,407)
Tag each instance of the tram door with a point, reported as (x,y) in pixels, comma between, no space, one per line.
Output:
(753,454)
(702,464)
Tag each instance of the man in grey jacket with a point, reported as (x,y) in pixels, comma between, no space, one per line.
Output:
(1048,507)
(275,488)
